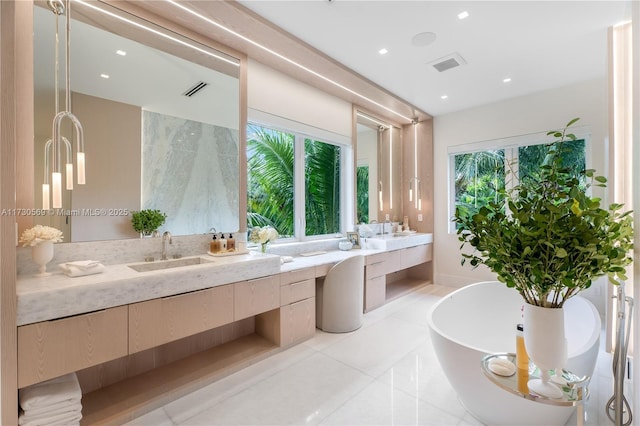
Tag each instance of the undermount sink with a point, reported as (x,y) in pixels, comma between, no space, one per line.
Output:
(168,264)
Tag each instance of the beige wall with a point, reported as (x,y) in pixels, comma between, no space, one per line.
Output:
(279,95)
(534,113)
(112,131)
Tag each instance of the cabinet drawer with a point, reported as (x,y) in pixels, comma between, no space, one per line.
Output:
(298,275)
(52,348)
(295,292)
(376,258)
(297,321)
(375,293)
(413,256)
(159,321)
(256,296)
(379,269)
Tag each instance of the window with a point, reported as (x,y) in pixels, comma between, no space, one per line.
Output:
(293,183)
(479,177)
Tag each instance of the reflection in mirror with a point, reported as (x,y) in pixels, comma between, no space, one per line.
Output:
(160,118)
(379,172)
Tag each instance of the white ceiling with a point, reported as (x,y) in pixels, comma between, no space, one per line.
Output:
(538,44)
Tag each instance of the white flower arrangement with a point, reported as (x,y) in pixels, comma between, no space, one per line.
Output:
(263,235)
(38,234)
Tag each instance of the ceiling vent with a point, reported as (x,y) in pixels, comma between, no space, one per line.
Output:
(448,62)
(196,88)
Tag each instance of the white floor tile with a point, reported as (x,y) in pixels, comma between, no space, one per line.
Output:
(374,349)
(383,404)
(202,399)
(304,393)
(154,418)
(385,373)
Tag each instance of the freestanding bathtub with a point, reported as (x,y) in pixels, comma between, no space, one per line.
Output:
(481,319)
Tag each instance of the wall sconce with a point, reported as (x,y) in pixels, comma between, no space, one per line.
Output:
(52,147)
(415,185)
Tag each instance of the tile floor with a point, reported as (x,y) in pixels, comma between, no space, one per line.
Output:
(385,373)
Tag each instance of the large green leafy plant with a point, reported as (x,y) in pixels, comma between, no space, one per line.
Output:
(553,238)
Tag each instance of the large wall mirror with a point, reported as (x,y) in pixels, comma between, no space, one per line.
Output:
(379,170)
(160,114)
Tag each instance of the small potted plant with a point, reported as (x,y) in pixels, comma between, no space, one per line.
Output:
(147,221)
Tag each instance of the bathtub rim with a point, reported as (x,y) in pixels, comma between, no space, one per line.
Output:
(595,336)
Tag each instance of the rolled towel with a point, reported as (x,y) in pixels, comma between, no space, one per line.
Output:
(81,268)
(50,393)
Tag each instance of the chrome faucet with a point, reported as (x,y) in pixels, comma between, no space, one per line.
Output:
(165,235)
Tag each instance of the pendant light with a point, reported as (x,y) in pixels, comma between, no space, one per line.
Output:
(53,146)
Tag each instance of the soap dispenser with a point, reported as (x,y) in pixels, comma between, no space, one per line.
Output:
(223,243)
(231,243)
(214,245)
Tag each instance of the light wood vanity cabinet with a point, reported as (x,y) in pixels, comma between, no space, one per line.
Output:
(375,271)
(379,265)
(256,296)
(298,311)
(159,321)
(297,321)
(50,349)
(413,256)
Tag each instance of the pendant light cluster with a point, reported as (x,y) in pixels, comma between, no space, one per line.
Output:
(52,148)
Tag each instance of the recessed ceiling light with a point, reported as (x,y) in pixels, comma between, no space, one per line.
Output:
(383,51)
(444,96)
(121,52)
(105,76)
(507,80)
(423,39)
(463,15)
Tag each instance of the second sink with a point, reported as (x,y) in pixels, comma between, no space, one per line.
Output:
(168,264)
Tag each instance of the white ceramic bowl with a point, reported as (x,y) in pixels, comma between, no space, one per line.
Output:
(345,245)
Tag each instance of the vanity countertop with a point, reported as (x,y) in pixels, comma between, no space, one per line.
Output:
(58,296)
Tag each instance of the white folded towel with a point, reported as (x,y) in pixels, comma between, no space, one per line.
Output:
(50,393)
(54,410)
(286,259)
(84,264)
(66,419)
(81,268)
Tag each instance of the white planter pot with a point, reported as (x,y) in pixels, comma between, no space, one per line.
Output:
(544,338)
(42,254)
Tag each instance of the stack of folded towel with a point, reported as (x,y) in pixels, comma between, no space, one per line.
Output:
(80,268)
(51,403)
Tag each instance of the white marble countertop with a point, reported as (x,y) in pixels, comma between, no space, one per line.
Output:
(57,296)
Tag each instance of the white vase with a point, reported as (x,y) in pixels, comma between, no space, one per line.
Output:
(42,254)
(544,338)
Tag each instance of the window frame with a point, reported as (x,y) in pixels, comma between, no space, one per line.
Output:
(346,169)
(510,145)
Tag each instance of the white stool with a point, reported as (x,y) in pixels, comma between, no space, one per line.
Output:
(340,297)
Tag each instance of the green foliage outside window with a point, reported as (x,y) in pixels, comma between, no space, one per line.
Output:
(362,193)
(270,183)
